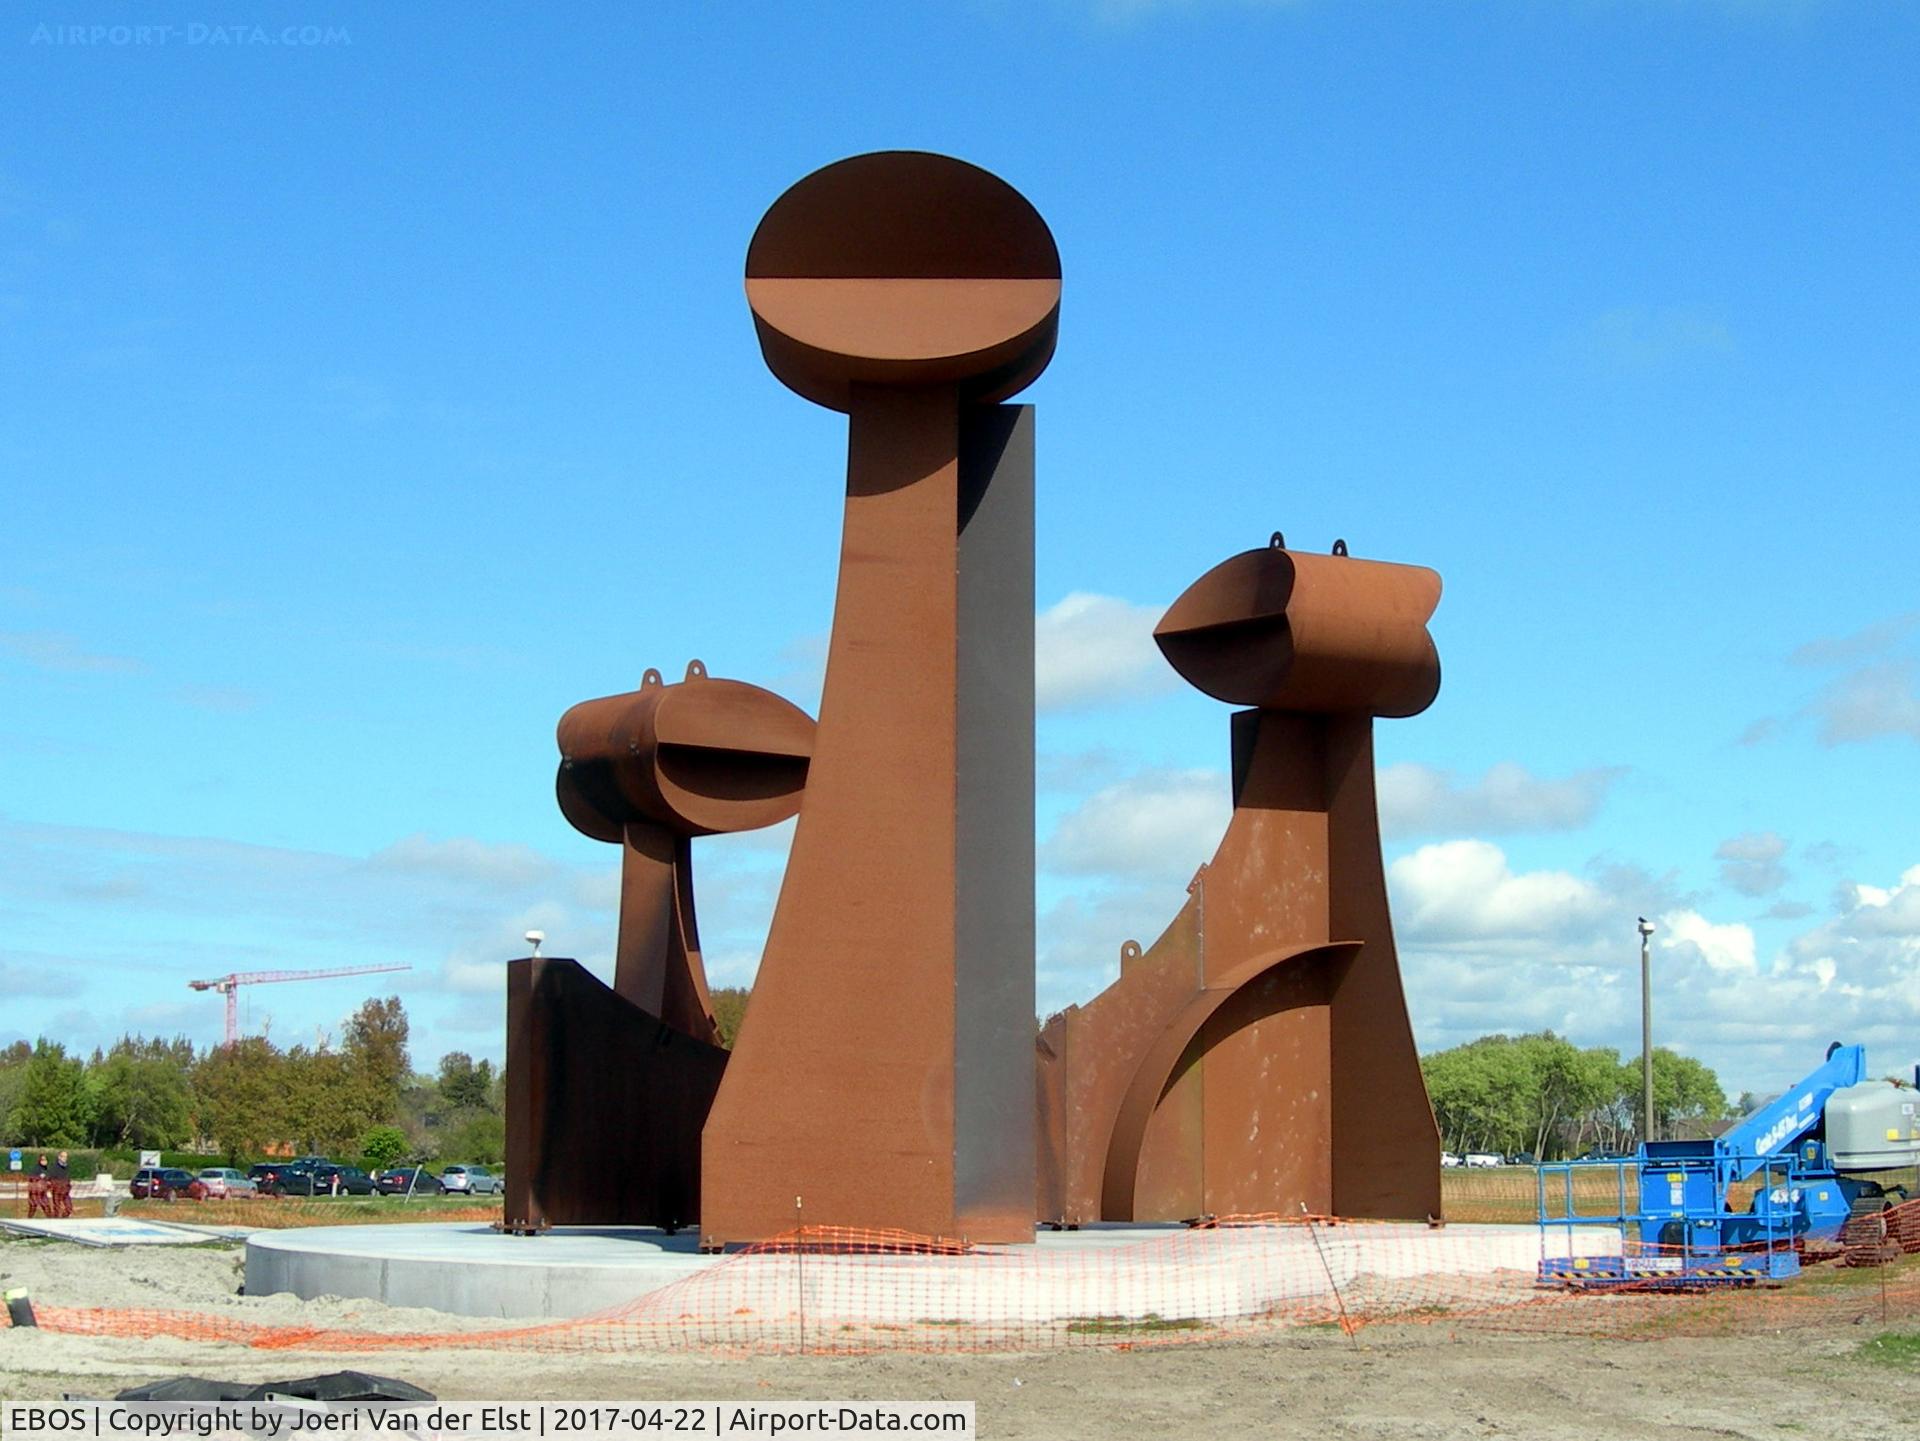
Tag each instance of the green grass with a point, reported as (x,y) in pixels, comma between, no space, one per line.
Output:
(309,1210)
(1510,1194)
(1149,1324)
(1894,1348)
(1832,1276)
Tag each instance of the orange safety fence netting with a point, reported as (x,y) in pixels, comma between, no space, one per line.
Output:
(824,1289)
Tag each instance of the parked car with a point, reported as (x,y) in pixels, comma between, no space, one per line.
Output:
(471,1181)
(269,1177)
(1522,1158)
(327,1180)
(166,1183)
(1482,1158)
(407,1180)
(1447,1158)
(223,1183)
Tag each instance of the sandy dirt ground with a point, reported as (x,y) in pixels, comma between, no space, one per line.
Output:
(1398,1383)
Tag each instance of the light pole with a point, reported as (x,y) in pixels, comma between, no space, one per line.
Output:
(1646,1030)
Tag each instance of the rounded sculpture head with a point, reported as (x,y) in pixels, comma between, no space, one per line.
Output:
(904,268)
(1284,630)
(699,757)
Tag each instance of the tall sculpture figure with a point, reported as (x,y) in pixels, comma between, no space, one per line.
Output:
(1258,1057)
(883,1076)
(607,1089)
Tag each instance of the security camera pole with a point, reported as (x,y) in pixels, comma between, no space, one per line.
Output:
(1646,1029)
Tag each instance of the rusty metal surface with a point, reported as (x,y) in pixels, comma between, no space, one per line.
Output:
(903,270)
(699,757)
(910,291)
(651,769)
(1287,631)
(608,1088)
(605,1104)
(1257,1057)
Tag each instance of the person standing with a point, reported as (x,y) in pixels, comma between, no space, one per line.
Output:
(62,1187)
(37,1189)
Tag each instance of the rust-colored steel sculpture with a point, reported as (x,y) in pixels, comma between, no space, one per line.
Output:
(1258,1056)
(650,770)
(604,1104)
(608,1089)
(883,1076)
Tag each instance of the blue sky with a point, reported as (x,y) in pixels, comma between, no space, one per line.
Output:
(377,382)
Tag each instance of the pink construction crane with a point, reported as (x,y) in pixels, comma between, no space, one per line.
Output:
(229,986)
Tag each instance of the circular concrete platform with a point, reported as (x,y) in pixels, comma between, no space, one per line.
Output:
(472,1270)
(1107,1270)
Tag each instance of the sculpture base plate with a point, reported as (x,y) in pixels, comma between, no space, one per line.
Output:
(1103,1271)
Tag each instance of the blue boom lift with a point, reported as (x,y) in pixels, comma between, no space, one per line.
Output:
(1807,1157)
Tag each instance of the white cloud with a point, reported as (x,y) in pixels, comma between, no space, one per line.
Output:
(1096,649)
(1487,948)
(1876,693)
(1418,800)
(1873,939)
(1158,825)
(1080,938)
(453,908)
(478,964)
(1827,855)
(1463,892)
(1869,641)
(1874,701)
(1752,863)
(1133,846)
(1722,947)
(1075,772)
(464,860)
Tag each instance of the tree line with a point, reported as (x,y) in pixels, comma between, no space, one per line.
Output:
(1535,1093)
(254,1099)
(1542,1094)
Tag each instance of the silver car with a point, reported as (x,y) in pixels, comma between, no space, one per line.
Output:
(471,1181)
(223,1181)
